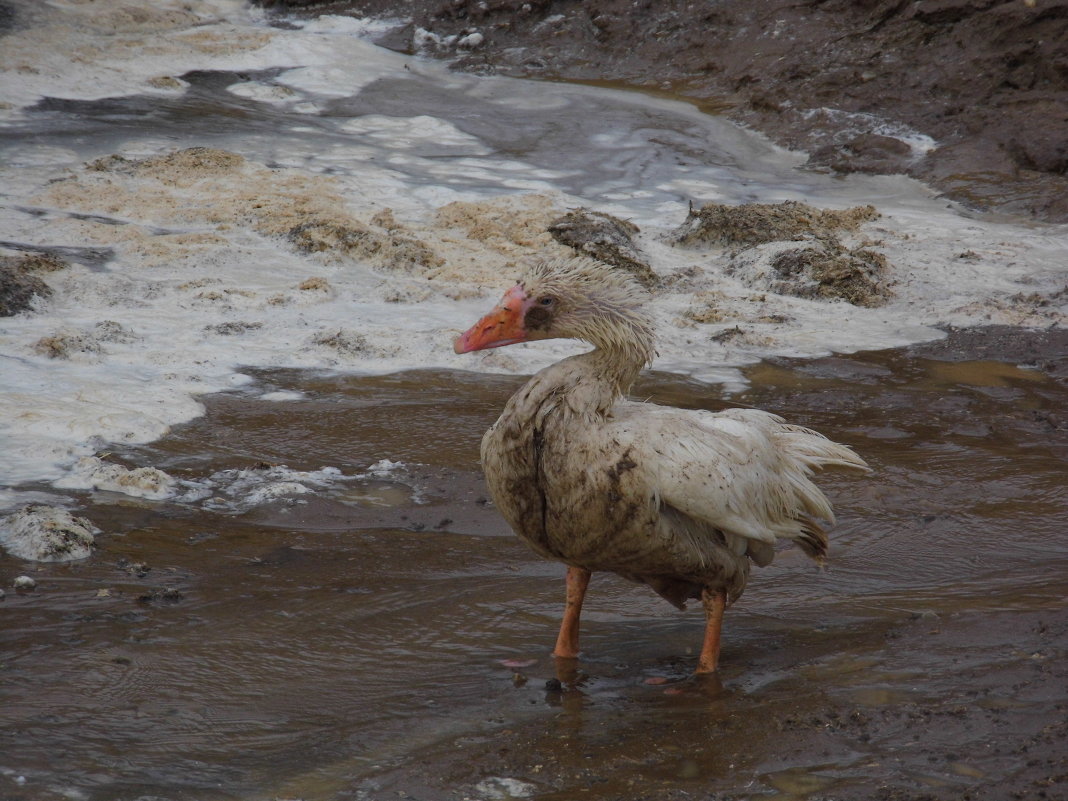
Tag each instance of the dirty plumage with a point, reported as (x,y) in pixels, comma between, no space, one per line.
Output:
(682,501)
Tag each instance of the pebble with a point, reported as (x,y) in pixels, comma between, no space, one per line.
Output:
(24,583)
(472,40)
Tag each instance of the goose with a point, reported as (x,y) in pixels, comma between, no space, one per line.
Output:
(683,501)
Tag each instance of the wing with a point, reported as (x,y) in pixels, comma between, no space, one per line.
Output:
(744,472)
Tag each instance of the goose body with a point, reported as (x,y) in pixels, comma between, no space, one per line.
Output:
(683,501)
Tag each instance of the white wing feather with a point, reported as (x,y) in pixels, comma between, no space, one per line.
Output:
(743,471)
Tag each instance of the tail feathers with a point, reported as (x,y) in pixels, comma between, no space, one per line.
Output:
(810,497)
(815,451)
(813,540)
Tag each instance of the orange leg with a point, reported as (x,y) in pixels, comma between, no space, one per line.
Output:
(567,642)
(714,604)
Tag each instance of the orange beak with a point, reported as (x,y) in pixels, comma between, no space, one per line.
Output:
(502,326)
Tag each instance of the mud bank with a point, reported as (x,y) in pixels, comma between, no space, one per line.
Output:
(969,96)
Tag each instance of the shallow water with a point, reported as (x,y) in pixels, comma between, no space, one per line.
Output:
(385,636)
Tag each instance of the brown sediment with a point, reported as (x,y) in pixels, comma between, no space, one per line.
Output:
(353,239)
(822,268)
(67,343)
(221,189)
(830,271)
(756,223)
(503,223)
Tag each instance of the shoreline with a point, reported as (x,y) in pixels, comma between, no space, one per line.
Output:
(968,97)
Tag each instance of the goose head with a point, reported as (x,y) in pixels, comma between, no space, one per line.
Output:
(571,298)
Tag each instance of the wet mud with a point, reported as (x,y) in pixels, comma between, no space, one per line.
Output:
(387,637)
(820,266)
(971,97)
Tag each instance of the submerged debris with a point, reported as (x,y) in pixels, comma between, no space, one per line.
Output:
(515,225)
(18,289)
(819,266)
(756,223)
(19,282)
(351,238)
(179,167)
(345,342)
(42,533)
(855,276)
(163,595)
(503,788)
(66,343)
(1030,309)
(314,284)
(233,328)
(815,270)
(352,345)
(605,238)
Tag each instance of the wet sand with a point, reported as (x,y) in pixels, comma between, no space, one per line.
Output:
(389,638)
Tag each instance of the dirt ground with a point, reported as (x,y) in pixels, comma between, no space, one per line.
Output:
(851,83)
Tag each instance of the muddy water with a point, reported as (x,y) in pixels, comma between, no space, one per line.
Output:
(388,638)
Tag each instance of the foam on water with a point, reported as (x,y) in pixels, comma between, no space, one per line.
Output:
(236,491)
(230,491)
(352,208)
(40,533)
(92,473)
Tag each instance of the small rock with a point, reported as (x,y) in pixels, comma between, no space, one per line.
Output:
(471,41)
(24,584)
(167,595)
(871,153)
(605,238)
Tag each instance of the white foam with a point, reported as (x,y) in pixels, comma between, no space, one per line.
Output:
(403,133)
(92,473)
(238,491)
(282,395)
(47,534)
(97,52)
(503,788)
(263,92)
(385,467)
